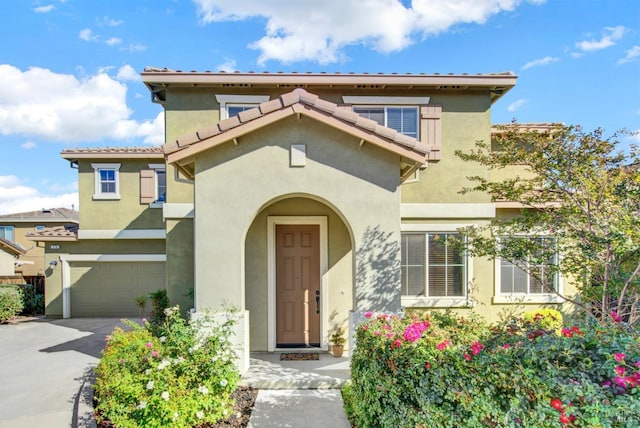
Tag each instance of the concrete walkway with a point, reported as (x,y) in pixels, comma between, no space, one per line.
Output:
(297,393)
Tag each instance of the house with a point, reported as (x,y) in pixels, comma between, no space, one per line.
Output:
(16,228)
(9,253)
(301,199)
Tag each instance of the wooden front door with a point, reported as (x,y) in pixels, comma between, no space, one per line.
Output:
(297,286)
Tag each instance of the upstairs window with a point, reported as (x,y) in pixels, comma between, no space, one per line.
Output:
(106,178)
(153,185)
(6,233)
(231,104)
(432,266)
(402,119)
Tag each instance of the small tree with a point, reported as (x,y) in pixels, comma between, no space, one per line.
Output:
(581,191)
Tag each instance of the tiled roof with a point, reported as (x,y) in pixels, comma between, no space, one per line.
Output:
(300,101)
(48,215)
(11,247)
(113,152)
(67,232)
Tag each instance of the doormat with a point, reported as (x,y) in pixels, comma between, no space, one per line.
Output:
(299,356)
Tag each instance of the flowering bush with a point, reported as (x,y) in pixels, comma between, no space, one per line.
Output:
(182,377)
(441,371)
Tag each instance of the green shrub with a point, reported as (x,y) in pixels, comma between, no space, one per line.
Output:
(11,302)
(181,378)
(159,303)
(442,371)
(33,302)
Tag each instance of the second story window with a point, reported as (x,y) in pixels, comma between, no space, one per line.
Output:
(402,119)
(106,178)
(6,233)
(232,104)
(153,185)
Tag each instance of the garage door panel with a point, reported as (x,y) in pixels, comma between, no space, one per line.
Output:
(108,289)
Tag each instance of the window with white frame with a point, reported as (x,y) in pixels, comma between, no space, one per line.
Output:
(433,266)
(529,277)
(231,105)
(402,119)
(106,180)
(399,113)
(6,233)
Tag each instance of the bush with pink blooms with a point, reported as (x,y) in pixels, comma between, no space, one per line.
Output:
(439,370)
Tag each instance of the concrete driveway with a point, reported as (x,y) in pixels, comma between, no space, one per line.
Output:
(46,371)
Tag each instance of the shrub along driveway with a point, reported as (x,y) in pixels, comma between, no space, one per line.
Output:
(46,371)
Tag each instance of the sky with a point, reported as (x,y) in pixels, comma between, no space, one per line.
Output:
(70,69)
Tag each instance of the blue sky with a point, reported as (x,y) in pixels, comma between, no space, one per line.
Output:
(69,69)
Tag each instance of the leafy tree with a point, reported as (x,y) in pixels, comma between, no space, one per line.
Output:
(577,188)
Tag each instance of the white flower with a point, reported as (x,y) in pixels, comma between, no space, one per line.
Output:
(164,363)
(223,383)
(147,371)
(203,390)
(175,416)
(199,415)
(178,360)
(165,395)
(162,339)
(150,384)
(142,405)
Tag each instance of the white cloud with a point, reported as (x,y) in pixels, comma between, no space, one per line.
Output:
(609,38)
(228,66)
(542,61)
(29,145)
(60,107)
(87,35)
(132,48)
(128,73)
(105,20)
(632,54)
(113,41)
(516,105)
(319,30)
(44,9)
(16,197)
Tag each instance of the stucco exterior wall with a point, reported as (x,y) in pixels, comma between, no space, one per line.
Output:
(234,183)
(6,264)
(125,213)
(179,265)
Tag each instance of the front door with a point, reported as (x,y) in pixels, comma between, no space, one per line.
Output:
(297,286)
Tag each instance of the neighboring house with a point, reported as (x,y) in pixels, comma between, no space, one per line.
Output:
(302,199)
(9,253)
(16,228)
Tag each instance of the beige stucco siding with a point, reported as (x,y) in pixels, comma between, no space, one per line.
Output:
(124,213)
(6,263)
(179,265)
(465,120)
(234,183)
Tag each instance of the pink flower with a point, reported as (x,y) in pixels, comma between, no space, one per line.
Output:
(620,370)
(567,333)
(619,356)
(443,345)
(368,315)
(396,343)
(467,357)
(637,363)
(122,361)
(506,346)
(365,327)
(413,332)
(149,345)
(377,333)
(476,347)
(620,381)
(155,353)
(389,335)
(615,316)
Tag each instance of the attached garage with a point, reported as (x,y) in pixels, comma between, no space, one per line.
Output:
(109,289)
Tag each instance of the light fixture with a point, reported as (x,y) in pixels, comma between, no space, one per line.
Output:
(53,264)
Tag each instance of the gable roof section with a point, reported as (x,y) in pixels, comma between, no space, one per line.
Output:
(52,215)
(11,248)
(302,103)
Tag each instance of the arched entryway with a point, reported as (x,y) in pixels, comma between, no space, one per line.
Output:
(299,276)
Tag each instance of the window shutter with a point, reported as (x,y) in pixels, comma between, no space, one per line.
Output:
(147,186)
(431,129)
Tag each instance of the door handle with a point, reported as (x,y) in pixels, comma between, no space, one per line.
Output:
(317,301)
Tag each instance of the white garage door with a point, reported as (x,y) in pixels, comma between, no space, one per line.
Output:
(109,289)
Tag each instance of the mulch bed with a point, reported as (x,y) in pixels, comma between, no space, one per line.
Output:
(244,397)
